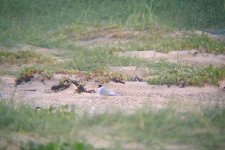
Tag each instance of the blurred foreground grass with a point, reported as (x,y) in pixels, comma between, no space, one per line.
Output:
(28,128)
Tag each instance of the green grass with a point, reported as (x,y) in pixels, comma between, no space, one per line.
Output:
(94,60)
(163,43)
(23,57)
(162,72)
(12,62)
(150,128)
(197,14)
(178,74)
(186,42)
(81,59)
(63,26)
(91,62)
(27,20)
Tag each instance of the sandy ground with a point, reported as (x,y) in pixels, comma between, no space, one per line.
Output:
(131,95)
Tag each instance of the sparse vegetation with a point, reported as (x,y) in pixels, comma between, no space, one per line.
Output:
(166,44)
(91,60)
(102,76)
(28,73)
(172,73)
(23,57)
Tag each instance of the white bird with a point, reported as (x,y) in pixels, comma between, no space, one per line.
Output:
(104,91)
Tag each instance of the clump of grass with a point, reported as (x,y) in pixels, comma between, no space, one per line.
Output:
(151,128)
(170,73)
(28,73)
(23,57)
(103,76)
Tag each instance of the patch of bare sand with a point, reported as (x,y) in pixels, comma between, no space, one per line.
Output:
(132,95)
(131,71)
(187,56)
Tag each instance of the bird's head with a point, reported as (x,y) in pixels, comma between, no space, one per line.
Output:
(100,85)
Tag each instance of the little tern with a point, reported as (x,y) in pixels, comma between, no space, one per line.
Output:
(104,91)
